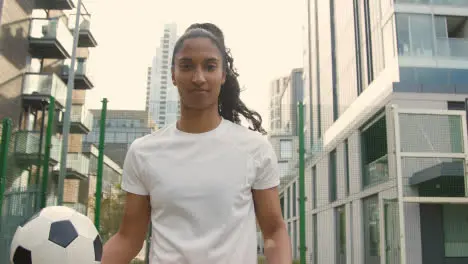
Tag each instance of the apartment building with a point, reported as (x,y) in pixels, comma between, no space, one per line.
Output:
(385,85)
(35,58)
(285,94)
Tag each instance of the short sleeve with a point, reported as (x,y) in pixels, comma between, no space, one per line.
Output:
(132,180)
(267,171)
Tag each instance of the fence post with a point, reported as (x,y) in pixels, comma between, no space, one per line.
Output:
(98,195)
(148,245)
(6,134)
(302,217)
(47,147)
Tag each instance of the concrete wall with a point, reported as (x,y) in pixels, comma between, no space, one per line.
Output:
(13,53)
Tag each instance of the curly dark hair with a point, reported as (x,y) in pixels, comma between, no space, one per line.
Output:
(230,106)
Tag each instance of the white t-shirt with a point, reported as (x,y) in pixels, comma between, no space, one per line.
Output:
(201,191)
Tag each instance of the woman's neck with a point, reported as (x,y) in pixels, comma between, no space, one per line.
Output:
(198,121)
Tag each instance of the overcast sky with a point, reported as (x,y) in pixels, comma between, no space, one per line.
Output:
(265,36)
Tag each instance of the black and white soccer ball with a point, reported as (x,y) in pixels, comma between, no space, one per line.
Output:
(56,234)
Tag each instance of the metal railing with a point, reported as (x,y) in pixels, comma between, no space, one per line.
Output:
(85,22)
(51,29)
(80,114)
(78,162)
(376,171)
(28,142)
(45,84)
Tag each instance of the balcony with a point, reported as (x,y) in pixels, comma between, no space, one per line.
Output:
(49,38)
(38,87)
(83,80)
(86,38)
(376,172)
(55,4)
(77,166)
(27,148)
(81,120)
(462,3)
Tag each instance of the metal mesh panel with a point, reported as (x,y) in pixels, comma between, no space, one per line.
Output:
(121,128)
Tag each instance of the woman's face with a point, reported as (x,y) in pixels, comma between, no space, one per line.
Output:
(198,73)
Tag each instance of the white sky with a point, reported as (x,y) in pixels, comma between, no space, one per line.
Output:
(265,37)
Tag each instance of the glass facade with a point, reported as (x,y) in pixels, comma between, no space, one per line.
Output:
(371,226)
(431,133)
(455,230)
(374,153)
(332,176)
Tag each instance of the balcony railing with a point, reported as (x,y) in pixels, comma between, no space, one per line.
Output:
(452,47)
(50,38)
(44,85)
(83,77)
(27,146)
(435,2)
(376,172)
(80,114)
(86,38)
(78,163)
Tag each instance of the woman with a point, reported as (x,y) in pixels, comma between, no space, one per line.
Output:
(203,181)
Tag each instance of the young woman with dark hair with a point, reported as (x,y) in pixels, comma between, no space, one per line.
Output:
(205,181)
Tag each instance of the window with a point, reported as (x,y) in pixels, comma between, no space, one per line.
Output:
(340,222)
(295,239)
(283,167)
(332,176)
(374,152)
(288,204)
(455,230)
(431,133)
(294,199)
(371,230)
(457,106)
(415,35)
(314,187)
(286,149)
(346,166)
(314,232)
(282,206)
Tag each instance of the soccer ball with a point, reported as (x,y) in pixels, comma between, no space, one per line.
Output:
(56,234)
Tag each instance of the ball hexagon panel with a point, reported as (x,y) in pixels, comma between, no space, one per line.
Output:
(97,248)
(49,253)
(21,256)
(80,251)
(57,213)
(62,233)
(84,226)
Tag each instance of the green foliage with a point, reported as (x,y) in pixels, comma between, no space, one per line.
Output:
(137,261)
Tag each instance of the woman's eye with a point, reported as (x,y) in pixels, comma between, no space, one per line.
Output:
(211,67)
(185,66)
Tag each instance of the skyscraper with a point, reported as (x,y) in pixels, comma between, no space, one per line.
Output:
(163,98)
